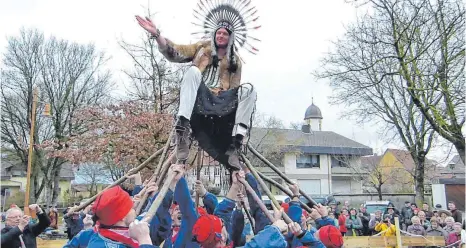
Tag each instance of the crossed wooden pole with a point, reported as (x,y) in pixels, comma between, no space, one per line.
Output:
(161,172)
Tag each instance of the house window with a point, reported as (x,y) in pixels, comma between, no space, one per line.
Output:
(340,161)
(216,171)
(308,161)
(206,172)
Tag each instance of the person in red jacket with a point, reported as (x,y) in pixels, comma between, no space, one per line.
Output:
(342,221)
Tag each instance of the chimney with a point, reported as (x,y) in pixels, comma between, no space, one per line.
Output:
(306,128)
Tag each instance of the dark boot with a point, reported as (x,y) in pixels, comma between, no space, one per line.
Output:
(234,152)
(182,140)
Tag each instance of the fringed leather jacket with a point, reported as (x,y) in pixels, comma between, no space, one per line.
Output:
(200,54)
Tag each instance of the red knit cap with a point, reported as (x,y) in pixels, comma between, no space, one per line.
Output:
(201,211)
(330,236)
(112,205)
(208,230)
(285,207)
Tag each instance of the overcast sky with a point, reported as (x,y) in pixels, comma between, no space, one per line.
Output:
(295,34)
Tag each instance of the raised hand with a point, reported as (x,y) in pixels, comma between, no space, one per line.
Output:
(323,211)
(199,188)
(139,230)
(23,222)
(177,168)
(295,228)
(315,214)
(294,189)
(35,208)
(87,209)
(281,225)
(236,176)
(147,24)
(152,188)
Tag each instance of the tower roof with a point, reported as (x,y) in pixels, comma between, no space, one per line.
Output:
(313,112)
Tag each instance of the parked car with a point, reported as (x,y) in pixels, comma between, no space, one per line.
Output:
(373,206)
(325,200)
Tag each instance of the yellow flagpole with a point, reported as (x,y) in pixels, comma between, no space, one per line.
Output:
(30,155)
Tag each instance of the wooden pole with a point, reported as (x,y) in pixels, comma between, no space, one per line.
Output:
(30,152)
(398,233)
(119,181)
(164,171)
(256,198)
(164,153)
(158,200)
(264,187)
(248,214)
(143,200)
(274,168)
(283,189)
(198,170)
(144,197)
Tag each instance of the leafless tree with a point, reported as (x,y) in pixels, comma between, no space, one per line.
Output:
(266,128)
(297,125)
(92,175)
(366,73)
(68,76)
(427,41)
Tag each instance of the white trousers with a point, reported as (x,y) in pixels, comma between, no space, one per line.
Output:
(188,93)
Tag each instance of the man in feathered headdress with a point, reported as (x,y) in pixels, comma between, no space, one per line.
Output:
(211,86)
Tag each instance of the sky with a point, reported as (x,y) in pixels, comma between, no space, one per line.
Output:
(295,35)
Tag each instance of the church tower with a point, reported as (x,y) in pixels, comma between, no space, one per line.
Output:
(313,119)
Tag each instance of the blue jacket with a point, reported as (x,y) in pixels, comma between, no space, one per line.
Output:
(75,225)
(259,217)
(160,226)
(188,218)
(224,210)
(270,237)
(237,226)
(98,241)
(81,240)
(307,238)
(136,190)
(210,202)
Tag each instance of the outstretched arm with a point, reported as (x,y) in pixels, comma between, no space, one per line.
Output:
(171,51)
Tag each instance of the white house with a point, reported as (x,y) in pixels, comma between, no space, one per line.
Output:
(319,160)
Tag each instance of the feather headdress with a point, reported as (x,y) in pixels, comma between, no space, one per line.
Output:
(237,16)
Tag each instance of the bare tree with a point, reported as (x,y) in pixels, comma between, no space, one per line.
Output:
(266,128)
(428,39)
(92,175)
(297,125)
(364,73)
(68,76)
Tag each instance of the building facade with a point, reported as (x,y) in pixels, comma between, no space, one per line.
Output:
(320,161)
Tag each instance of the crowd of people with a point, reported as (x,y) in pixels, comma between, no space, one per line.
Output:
(237,221)
(447,223)
(111,221)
